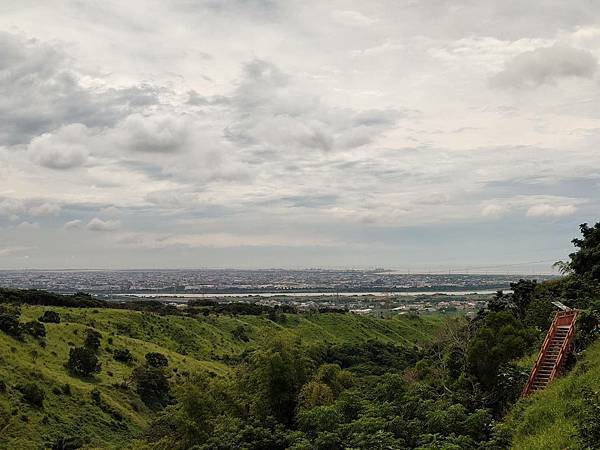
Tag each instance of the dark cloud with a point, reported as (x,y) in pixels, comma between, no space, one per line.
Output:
(38,93)
(545,65)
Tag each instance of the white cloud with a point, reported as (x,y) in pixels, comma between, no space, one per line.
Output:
(495,210)
(162,133)
(28,225)
(63,149)
(45,209)
(97,224)
(547,210)
(352,18)
(73,224)
(7,251)
(546,65)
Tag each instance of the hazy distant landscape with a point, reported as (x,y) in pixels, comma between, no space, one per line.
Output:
(244,282)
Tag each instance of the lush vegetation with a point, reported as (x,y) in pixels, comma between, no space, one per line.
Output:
(218,376)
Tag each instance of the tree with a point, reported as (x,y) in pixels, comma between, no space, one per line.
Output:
(315,393)
(500,339)
(586,260)
(123,355)
(152,385)
(50,317)
(275,376)
(156,360)
(35,329)
(32,394)
(522,294)
(83,361)
(10,325)
(92,339)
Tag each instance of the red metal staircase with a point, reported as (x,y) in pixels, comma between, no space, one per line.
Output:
(554,351)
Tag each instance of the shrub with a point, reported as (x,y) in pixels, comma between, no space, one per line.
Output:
(92,339)
(83,361)
(588,420)
(32,394)
(67,443)
(240,333)
(96,396)
(35,329)
(151,385)
(123,355)
(10,324)
(50,317)
(156,360)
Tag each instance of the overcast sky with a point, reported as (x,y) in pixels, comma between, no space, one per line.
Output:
(413,134)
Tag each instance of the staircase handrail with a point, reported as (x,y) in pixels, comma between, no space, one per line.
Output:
(565,346)
(547,340)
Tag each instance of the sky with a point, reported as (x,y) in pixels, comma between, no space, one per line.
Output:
(417,135)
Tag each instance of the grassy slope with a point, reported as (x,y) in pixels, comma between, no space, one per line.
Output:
(546,419)
(190,344)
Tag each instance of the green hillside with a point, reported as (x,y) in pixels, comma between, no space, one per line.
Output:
(554,418)
(199,344)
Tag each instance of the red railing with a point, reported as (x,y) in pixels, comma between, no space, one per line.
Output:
(561,318)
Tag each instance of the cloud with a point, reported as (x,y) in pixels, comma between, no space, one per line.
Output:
(352,18)
(62,149)
(11,207)
(545,65)
(73,225)
(272,112)
(28,225)
(40,92)
(547,210)
(97,224)
(157,133)
(7,251)
(45,209)
(495,210)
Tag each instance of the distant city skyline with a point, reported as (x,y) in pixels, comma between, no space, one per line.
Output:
(253,134)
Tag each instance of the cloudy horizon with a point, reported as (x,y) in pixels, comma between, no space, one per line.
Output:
(263,133)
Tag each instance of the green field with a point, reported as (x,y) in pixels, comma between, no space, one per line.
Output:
(191,344)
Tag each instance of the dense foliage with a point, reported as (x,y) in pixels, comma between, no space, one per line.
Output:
(83,361)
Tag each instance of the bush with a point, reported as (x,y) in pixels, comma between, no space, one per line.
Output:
(83,362)
(92,339)
(152,386)
(10,325)
(32,394)
(50,317)
(35,329)
(123,355)
(240,333)
(67,443)
(156,360)
(588,420)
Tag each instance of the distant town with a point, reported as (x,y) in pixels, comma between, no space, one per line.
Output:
(381,292)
